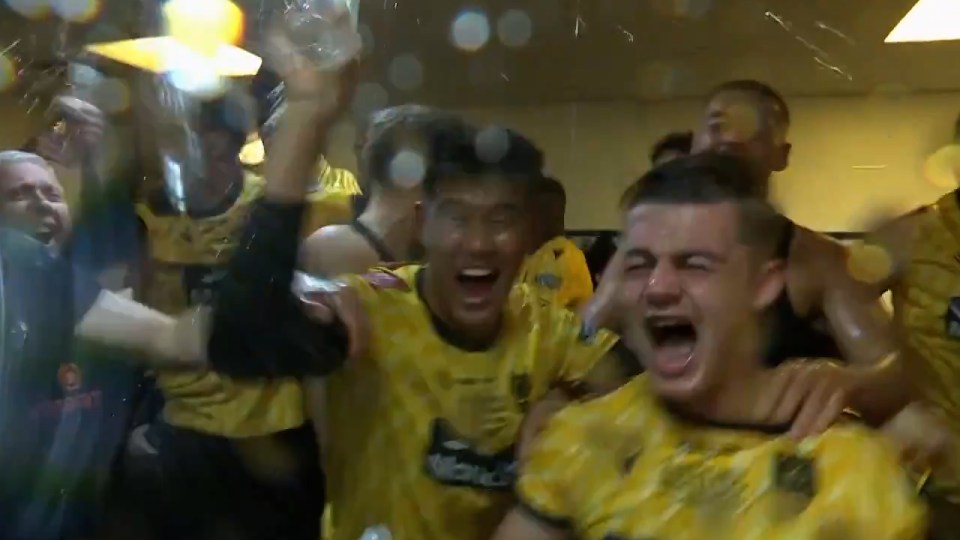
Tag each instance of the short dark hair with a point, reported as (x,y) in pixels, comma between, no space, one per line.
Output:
(550,187)
(679,142)
(391,130)
(712,177)
(759,89)
(229,114)
(461,153)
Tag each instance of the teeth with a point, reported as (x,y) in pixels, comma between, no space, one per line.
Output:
(477,272)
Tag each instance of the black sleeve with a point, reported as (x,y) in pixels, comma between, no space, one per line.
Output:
(258,329)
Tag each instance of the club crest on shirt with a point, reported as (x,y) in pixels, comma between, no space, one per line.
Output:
(952,317)
(385,280)
(795,474)
(70,377)
(550,281)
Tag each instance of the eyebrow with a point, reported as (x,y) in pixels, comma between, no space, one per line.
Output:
(712,255)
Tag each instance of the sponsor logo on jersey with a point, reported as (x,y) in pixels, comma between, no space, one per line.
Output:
(453,461)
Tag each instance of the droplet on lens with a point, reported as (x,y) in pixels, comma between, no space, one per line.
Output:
(406,72)
(407,168)
(514,28)
(470,30)
(492,144)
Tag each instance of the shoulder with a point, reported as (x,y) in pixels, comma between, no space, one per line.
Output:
(382,279)
(608,418)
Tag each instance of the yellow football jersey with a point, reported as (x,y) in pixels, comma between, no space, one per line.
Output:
(560,269)
(422,432)
(188,257)
(622,467)
(334,180)
(927,309)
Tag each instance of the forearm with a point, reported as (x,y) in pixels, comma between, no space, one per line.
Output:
(299,141)
(258,329)
(117,321)
(883,389)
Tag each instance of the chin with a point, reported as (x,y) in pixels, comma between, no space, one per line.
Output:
(681,387)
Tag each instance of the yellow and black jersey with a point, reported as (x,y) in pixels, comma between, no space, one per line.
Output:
(422,432)
(623,467)
(188,257)
(559,269)
(927,309)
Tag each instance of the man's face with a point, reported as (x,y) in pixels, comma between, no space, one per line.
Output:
(221,154)
(474,234)
(33,202)
(694,290)
(746,125)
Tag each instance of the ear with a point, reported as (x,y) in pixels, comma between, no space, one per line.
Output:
(771,281)
(783,157)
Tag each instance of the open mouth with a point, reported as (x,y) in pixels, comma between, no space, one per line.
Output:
(477,284)
(674,340)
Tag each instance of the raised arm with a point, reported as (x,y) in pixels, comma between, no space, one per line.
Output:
(861,327)
(258,327)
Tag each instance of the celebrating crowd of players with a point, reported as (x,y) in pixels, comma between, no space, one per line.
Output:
(729,378)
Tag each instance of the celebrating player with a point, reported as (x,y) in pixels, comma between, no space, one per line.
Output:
(424,421)
(685,451)
(751,120)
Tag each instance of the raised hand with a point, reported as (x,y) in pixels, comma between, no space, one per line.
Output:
(77,135)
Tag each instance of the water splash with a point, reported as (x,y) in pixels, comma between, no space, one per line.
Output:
(821,57)
(826,27)
(626,33)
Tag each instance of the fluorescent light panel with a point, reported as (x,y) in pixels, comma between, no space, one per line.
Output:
(160,54)
(928,20)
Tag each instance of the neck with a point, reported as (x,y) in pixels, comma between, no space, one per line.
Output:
(392,218)
(734,399)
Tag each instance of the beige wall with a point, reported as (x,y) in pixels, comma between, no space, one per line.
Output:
(852,156)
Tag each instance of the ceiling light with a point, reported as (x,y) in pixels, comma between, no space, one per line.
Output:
(928,20)
(161,54)
(200,34)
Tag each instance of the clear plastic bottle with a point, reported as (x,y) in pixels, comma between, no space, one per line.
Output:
(323,30)
(378,532)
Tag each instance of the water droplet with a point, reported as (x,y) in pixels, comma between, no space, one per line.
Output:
(32,9)
(407,168)
(368,98)
(470,30)
(406,72)
(492,144)
(76,10)
(514,28)
(942,168)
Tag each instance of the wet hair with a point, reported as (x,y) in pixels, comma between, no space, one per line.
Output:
(230,114)
(551,188)
(711,177)
(386,132)
(762,90)
(679,142)
(12,157)
(459,153)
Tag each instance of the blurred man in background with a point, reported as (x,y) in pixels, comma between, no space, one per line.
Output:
(556,266)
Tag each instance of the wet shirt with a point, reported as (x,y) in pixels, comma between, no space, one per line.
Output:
(422,431)
(624,468)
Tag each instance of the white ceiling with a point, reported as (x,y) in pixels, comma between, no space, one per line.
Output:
(620,49)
